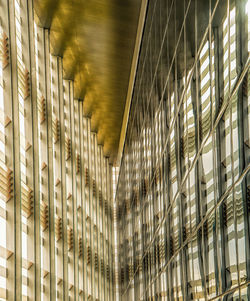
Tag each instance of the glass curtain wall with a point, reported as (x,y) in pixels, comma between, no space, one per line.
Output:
(183,189)
(56,208)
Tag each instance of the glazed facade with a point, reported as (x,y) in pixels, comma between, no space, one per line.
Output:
(183,190)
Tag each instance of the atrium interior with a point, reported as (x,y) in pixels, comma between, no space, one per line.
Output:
(124,150)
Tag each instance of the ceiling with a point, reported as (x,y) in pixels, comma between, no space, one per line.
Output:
(96,39)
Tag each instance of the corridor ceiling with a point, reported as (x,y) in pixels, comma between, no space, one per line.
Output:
(96,39)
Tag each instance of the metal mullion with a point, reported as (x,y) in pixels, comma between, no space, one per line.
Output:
(149,147)
(99,206)
(157,189)
(135,240)
(67,207)
(119,245)
(220,137)
(46,151)
(99,220)
(106,256)
(175,129)
(124,225)
(91,147)
(95,197)
(63,199)
(199,172)
(146,202)
(99,181)
(57,174)
(53,109)
(69,187)
(72,186)
(162,187)
(27,176)
(168,189)
(188,198)
(104,228)
(243,131)
(144,231)
(242,36)
(214,140)
(102,219)
(109,184)
(151,188)
(86,199)
(108,227)
(92,165)
(181,166)
(129,215)
(214,154)
(112,231)
(78,197)
(82,197)
(95,213)
(42,151)
(33,237)
(13,223)
(133,210)
(90,285)
(198,166)
(73,182)
(149,212)
(88,230)
(141,214)
(231,146)
(108,222)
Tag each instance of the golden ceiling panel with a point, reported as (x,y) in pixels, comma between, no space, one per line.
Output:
(96,39)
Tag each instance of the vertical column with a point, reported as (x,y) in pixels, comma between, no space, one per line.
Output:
(74,193)
(89,214)
(99,205)
(86,208)
(82,134)
(79,196)
(69,189)
(59,176)
(42,203)
(96,220)
(10,192)
(33,254)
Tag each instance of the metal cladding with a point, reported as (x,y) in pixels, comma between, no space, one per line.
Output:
(56,240)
